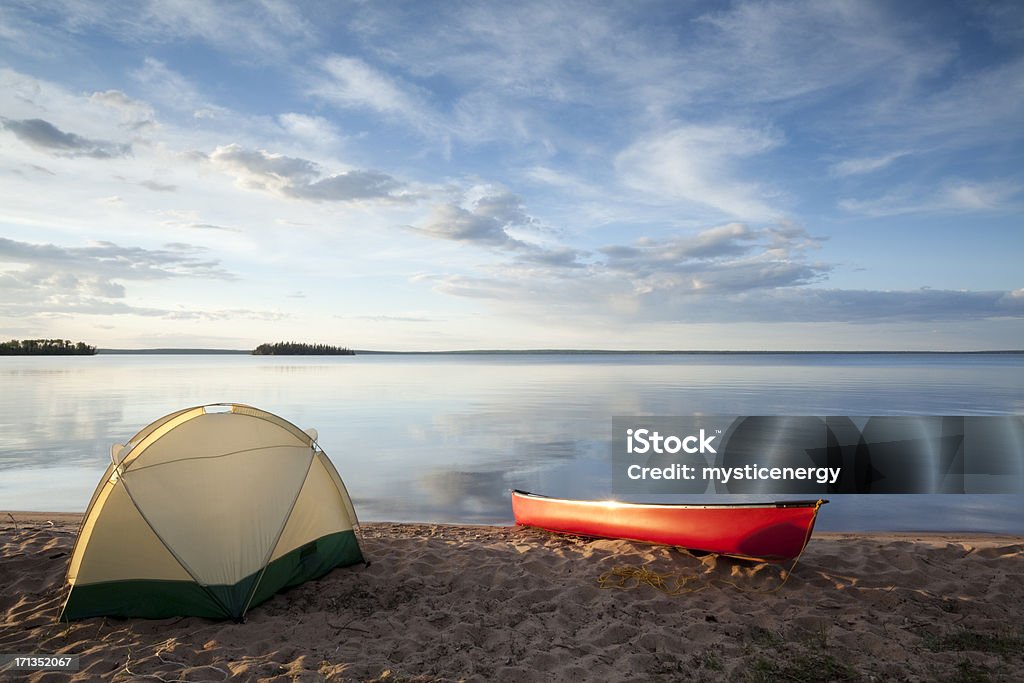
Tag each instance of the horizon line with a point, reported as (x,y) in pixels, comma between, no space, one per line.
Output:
(541,351)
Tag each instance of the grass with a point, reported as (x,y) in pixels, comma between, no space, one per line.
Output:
(709,660)
(809,668)
(969,672)
(763,636)
(813,664)
(965,640)
(1005,645)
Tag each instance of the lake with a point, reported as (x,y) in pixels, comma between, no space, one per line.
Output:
(442,438)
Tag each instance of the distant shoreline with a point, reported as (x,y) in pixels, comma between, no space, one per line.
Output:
(569,352)
(155,352)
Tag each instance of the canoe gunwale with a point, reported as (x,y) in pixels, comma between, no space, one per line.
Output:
(695,506)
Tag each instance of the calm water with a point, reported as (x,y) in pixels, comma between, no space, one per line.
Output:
(443,438)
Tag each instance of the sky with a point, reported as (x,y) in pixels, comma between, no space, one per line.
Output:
(467,175)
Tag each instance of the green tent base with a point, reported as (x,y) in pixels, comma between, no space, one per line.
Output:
(162,599)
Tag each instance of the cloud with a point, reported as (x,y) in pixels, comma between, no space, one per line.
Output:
(547,257)
(158,187)
(266,29)
(775,51)
(258,31)
(618,301)
(953,196)
(191,220)
(396,318)
(176,93)
(665,279)
(116,99)
(984,106)
(170,86)
(452,222)
(105,124)
(63,275)
(696,164)
(504,74)
(726,240)
(354,83)
(135,114)
(351,83)
(48,279)
(109,260)
(867,306)
(562,180)
(475,116)
(348,186)
(1004,21)
(223,314)
(45,136)
(727,258)
(487,222)
(66,305)
(311,129)
(302,179)
(209,226)
(730,273)
(863,165)
(974,196)
(643,63)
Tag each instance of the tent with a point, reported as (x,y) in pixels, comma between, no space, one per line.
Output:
(207,512)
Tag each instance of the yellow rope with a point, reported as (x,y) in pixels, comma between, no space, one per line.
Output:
(625,577)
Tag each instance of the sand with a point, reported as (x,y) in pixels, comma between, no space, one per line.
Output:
(454,603)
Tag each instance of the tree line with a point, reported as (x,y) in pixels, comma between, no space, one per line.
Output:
(45,347)
(301,349)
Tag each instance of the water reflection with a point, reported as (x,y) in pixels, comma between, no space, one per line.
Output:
(442,438)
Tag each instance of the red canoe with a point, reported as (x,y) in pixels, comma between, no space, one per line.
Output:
(757,531)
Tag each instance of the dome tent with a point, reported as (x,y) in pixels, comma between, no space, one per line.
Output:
(207,512)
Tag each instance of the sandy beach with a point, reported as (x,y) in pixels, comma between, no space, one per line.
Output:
(451,603)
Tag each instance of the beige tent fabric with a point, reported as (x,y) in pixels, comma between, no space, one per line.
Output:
(117,526)
(318,511)
(237,506)
(211,436)
(154,431)
(345,498)
(283,424)
(105,483)
(210,496)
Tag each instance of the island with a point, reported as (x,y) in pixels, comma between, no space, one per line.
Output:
(45,347)
(300,349)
